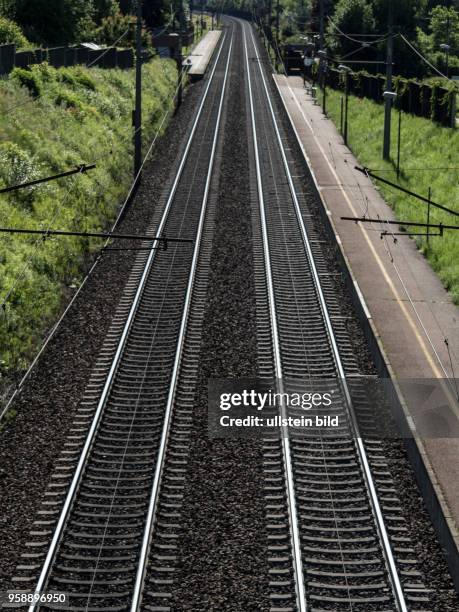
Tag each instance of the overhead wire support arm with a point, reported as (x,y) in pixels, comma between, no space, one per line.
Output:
(369,172)
(78,170)
(439,226)
(107,235)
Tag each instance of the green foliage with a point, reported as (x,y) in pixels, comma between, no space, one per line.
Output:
(104,9)
(159,11)
(18,166)
(353,16)
(29,79)
(444,27)
(55,22)
(10,32)
(81,116)
(7,8)
(113,27)
(82,77)
(66,76)
(429,158)
(69,100)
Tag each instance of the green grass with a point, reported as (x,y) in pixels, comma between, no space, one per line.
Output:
(62,118)
(429,158)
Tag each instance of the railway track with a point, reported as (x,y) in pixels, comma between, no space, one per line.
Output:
(109,532)
(336,537)
(94,542)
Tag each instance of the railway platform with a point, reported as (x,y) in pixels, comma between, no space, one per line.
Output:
(407,308)
(200,57)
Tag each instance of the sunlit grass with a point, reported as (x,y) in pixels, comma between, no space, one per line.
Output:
(81,116)
(429,159)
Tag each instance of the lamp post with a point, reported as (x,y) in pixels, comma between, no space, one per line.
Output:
(202,16)
(345,70)
(388,101)
(445,47)
(389,97)
(323,76)
(399,141)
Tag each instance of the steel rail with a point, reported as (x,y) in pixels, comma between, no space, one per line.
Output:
(291,501)
(178,357)
(91,434)
(387,549)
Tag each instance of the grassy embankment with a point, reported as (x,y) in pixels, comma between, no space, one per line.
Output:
(429,158)
(62,118)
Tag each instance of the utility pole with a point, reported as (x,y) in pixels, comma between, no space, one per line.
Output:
(322,66)
(277,21)
(138,95)
(202,15)
(180,56)
(322,23)
(388,99)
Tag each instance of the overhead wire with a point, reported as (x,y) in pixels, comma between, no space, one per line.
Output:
(427,61)
(351,37)
(37,243)
(404,285)
(42,239)
(405,288)
(99,57)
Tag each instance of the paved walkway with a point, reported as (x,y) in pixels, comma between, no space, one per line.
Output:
(202,54)
(407,303)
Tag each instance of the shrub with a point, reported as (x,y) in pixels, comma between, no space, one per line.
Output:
(17,166)
(111,28)
(65,126)
(10,32)
(67,77)
(28,79)
(69,100)
(45,72)
(84,79)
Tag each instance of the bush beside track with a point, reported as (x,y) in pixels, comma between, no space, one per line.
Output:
(51,121)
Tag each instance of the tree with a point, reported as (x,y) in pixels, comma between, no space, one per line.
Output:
(351,17)
(10,32)
(55,22)
(328,6)
(104,9)
(406,14)
(157,12)
(444,27)
(7,8)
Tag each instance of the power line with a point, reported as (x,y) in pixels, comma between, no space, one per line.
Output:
(427,61)
(82,168)
(37,243)
(351,36)
(99,57)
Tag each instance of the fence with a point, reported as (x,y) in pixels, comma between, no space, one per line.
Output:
(421,99)
(64,56)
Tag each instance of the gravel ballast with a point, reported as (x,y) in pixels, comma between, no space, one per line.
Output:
(429,554)
(33,439)
(223,547)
